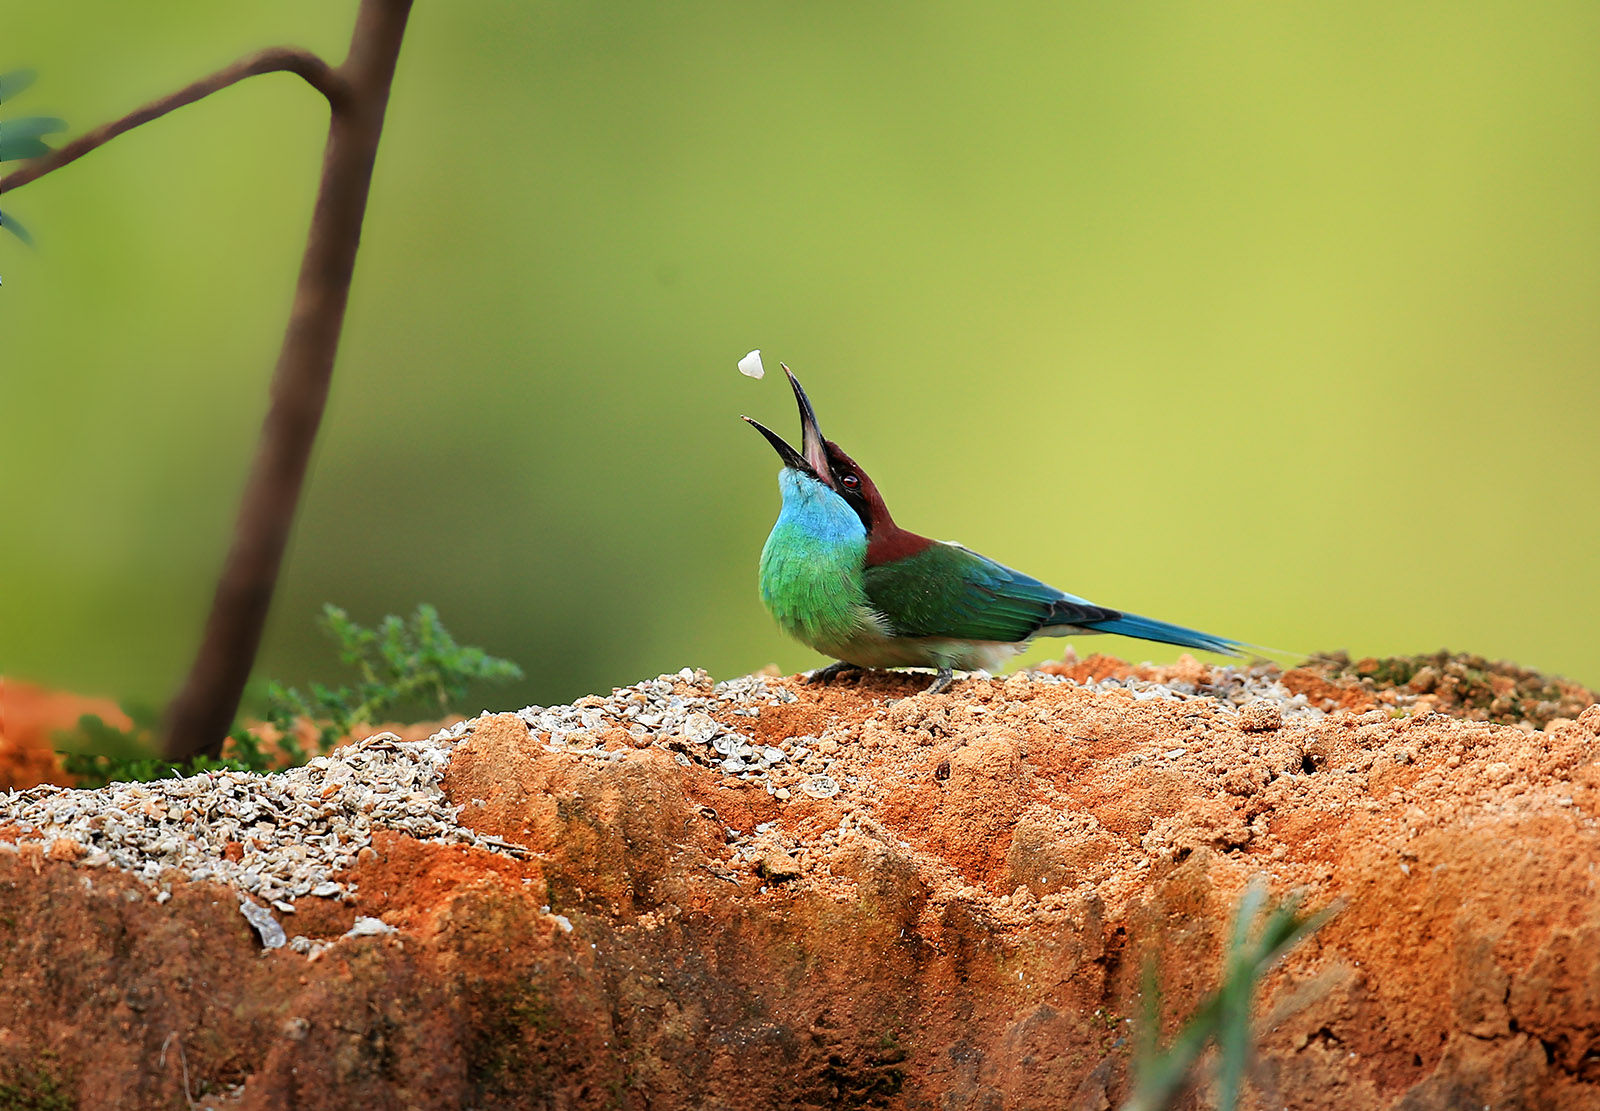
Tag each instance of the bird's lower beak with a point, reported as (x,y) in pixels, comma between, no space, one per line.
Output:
(790,457)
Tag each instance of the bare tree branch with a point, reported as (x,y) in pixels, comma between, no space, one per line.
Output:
(199,717)
(279,59)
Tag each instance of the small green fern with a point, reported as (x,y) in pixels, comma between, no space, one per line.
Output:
(401,665)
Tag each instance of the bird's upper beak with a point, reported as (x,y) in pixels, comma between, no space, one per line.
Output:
(813,456)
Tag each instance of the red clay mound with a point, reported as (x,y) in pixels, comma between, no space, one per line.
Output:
(31,717)
(767,894)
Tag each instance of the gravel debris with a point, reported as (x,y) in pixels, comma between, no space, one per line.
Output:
(279,837)
(1233,686)
(1462,685)
(677,712)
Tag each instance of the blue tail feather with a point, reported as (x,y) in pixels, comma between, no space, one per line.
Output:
(1146,628)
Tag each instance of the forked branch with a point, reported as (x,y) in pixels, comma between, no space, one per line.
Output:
(357,91)
(278,59)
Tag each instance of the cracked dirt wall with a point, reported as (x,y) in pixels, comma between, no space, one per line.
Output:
(895,900)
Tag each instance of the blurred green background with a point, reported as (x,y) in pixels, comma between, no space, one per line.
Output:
(1279,321)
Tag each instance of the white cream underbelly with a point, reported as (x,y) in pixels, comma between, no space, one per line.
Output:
(885,651)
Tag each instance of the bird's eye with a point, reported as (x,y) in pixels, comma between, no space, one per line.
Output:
(850,480)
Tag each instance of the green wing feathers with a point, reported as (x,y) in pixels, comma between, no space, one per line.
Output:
(948,591)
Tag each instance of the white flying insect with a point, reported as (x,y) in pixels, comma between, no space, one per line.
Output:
(750,366)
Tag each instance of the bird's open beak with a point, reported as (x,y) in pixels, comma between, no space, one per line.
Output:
(813,456)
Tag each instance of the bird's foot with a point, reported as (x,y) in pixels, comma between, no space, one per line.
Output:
(942,681)
(831,672)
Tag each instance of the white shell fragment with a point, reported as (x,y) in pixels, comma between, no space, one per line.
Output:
(370,927)
(750,366)
(820,787)
(272,935)
(701,728)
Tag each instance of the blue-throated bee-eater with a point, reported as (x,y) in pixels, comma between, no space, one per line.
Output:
(840,576)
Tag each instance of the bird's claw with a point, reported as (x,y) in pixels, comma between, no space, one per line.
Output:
(941,682)
(832,671)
